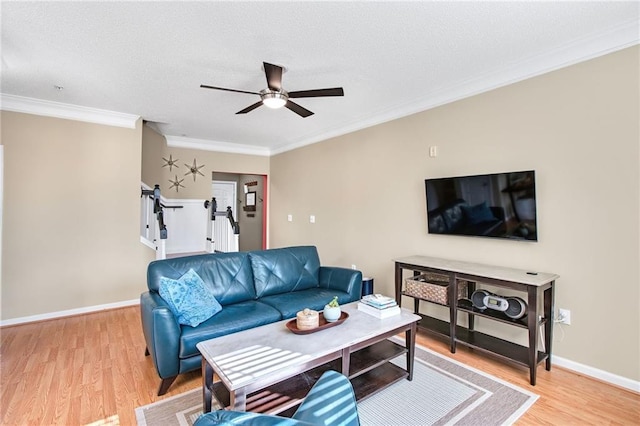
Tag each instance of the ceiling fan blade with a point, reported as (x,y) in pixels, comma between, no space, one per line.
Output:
(302,112)
(335,91)
(204,86)
(250,108)
(274,76)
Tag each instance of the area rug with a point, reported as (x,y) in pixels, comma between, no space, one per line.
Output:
(443,392)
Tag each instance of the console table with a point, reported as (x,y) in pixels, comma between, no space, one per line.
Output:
(538,286)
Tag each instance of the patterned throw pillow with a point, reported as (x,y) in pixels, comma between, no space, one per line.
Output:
(189,299)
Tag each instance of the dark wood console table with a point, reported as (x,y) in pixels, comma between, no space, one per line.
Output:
(539,289)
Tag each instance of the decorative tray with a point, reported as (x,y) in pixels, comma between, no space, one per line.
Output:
(322,324)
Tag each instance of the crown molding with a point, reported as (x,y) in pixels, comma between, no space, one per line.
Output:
(217,146)
(67,111)
(580,50)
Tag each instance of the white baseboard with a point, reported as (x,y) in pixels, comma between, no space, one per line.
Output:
(70,312)
(596,373)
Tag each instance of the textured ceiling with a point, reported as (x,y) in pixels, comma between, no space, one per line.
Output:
(392,58)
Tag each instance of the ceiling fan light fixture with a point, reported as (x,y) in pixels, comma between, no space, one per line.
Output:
(274,99)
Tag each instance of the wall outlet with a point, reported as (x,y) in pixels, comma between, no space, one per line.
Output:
(312,219)
(564,316)
(290,217)
(353,267)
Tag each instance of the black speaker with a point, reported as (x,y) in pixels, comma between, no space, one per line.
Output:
(513,307)
(477,298)
(517,308)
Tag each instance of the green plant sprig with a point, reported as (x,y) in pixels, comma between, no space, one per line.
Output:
(334,303)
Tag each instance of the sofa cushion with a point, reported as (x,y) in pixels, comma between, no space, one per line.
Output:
(233,318)
(284,270)
(290,303)
(227,275)
(189,299)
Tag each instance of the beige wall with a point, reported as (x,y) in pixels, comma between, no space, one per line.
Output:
(71,215)
(154,149)
(577,127)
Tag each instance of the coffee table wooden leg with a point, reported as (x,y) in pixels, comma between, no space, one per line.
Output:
(346,360)
(207,383)
(410,340)
(238,400)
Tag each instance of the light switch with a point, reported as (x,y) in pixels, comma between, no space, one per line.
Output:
(433,151)
(290,217)
(312,219)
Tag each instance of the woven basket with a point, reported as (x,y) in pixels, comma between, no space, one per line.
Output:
(433,287)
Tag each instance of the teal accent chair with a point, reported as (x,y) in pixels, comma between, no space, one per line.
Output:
(331,401)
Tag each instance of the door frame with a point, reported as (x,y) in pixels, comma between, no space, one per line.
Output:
(1,204)
(264,178)
(265,196)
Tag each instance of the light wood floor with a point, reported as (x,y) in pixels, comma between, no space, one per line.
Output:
(83,369)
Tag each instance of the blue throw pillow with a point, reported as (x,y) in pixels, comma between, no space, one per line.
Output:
(478,213)
(189,299)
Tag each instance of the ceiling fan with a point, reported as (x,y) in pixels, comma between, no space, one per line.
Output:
(275,97)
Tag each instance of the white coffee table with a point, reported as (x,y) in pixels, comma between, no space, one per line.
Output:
(269,369)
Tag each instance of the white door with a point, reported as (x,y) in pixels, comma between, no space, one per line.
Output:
(225,194)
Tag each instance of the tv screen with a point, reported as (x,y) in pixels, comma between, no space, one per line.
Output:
(500,205)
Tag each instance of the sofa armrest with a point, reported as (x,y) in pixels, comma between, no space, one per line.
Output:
(343,279)
(161,333)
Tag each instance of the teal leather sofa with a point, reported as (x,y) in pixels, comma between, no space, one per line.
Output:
(331,401)
(254,288)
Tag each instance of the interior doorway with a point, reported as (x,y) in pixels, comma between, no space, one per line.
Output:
(249,209)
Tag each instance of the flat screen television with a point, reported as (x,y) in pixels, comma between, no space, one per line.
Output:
(499,205)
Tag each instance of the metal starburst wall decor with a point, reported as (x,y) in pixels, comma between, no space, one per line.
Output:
(170,162)
(177,183)
(194,170)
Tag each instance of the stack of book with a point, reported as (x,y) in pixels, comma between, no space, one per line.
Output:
(379,306)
